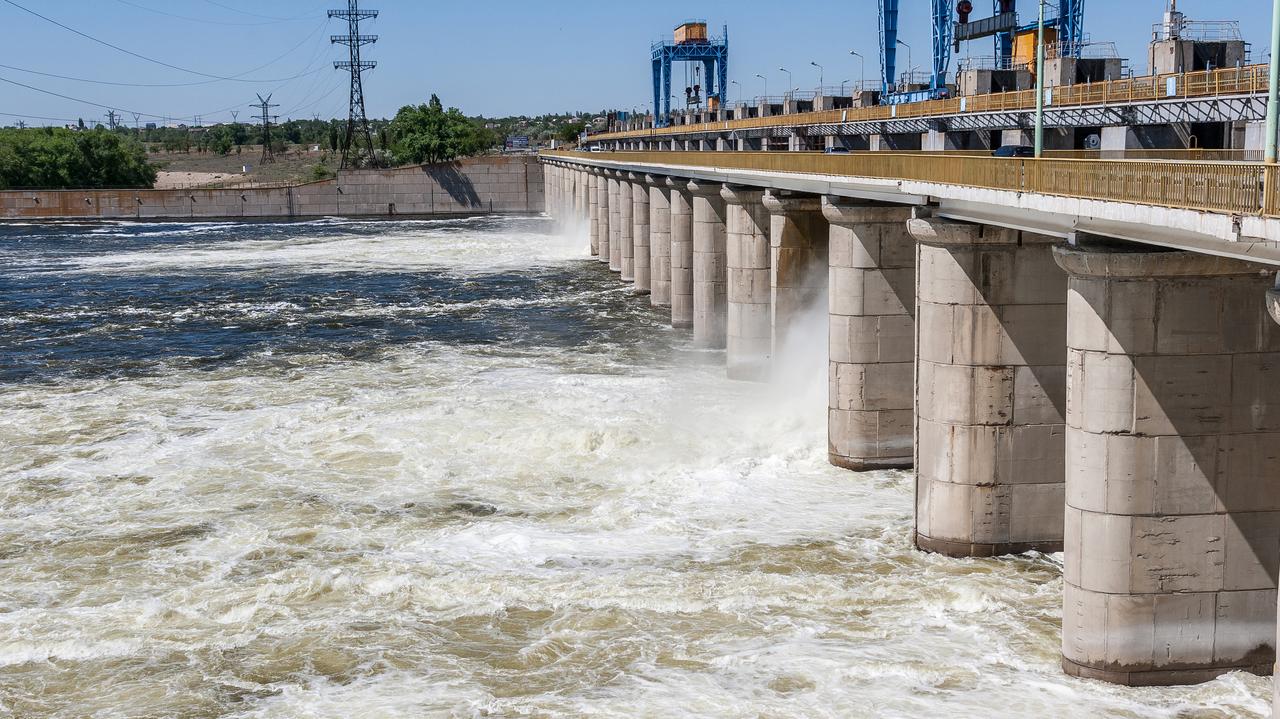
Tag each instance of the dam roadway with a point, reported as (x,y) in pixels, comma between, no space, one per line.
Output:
(1074,355)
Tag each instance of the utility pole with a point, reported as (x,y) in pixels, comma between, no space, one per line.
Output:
(137,120)
(1040,82)
(111,120)
(358,130)
(268,155)
(235,117)
(198,121)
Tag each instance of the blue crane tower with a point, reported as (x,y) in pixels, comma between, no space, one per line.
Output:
(691,45)
(951,26)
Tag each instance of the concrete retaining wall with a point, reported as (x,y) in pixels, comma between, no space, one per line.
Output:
(473,185)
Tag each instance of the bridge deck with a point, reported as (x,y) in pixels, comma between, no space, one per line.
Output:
(1225,208)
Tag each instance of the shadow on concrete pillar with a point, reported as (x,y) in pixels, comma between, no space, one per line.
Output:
(641,268)
(748,336)
(681,254)
(710,266)
(990,390)
(593,218)
(1173,466)
(798,261)
(605,230)
(1273,307)
(615,222)
(626,228)
(659,241)
(872,300)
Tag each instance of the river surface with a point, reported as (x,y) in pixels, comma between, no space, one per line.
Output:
(453,468)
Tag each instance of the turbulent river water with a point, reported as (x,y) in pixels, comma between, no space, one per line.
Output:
(455,468)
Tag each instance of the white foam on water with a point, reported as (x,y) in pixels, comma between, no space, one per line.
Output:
(451,531)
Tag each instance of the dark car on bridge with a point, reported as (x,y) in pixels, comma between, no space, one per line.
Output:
(1015,151)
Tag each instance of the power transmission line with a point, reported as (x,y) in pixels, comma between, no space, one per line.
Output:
(233,78)
(254,14)
(101,105)
(143,84)
(357,122)
(204,21)
(37,117)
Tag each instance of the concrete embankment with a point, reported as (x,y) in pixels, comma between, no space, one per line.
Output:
(483,184)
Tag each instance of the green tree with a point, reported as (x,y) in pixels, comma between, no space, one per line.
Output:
(571,131)
(429,133)
(58,158)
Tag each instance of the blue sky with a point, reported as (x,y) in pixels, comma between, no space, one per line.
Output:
(495,57)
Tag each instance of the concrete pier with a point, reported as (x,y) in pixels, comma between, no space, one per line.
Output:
(1173,466)
(593,218)
(710,268)
(615,222)
(681,254)
(626,228)
(605,231)
(659,241)
(798,261)
(582,214)
(749,333)
(990,390)
(641,268)
(872,335)
(1273,306)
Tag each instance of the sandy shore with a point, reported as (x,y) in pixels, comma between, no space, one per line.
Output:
(176,180)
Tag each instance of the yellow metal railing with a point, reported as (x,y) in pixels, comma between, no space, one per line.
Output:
(1237,188)
(1250,79)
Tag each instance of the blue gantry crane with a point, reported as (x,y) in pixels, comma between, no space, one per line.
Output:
(692,44)
(952,25)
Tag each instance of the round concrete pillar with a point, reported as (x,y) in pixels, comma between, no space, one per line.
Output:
(1273,306)
(659,241)
(1173,466)
(603,230)
(641,269)
(749,335)
(681,254)
(593,210)
(872,301)
(798,241)
(990,390)
(615,223)
(626,228)
(548,188)
(710,267)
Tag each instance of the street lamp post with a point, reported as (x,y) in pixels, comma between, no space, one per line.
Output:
(911,68)
(735,82)
(862,68)
(1040,81)
(790,80)
(766,86)
(821,71)
(1273,95)
(842,84)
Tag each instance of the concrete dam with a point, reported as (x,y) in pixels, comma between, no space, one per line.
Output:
(1066,370)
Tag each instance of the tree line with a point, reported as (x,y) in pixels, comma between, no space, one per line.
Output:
(100,157)
(59,158)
